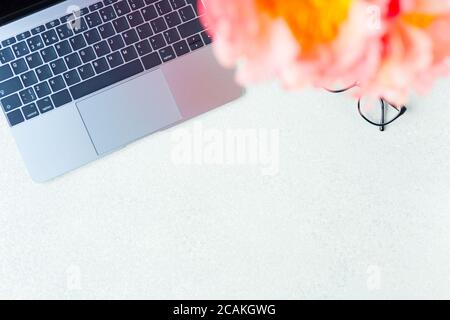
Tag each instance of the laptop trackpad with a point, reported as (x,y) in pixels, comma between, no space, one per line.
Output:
(129,111)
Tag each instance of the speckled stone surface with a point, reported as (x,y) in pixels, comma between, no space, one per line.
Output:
(351,212)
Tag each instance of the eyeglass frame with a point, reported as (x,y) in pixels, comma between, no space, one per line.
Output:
(383,102)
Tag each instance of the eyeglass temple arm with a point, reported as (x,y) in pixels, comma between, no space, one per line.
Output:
(383,125)
(402,111)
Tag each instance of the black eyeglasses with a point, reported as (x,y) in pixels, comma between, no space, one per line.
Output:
(386,117)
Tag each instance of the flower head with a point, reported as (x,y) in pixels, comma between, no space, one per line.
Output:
(389,47)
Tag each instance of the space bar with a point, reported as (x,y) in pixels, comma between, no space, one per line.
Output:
(106,79)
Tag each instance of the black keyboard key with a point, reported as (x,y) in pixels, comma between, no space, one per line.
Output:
(57,83)
(6,55)
(50,37)
(87,54)
(53,24)
(157,42)
(196,5)
(143,47)
(71,77)
(96,6)
(187,13)
(102,48)
(10,86)
(82,12)
(73,60)
(12,102)
(171,35)
(130,37)
(106,30)
(93,19)
(64,31)
(190,28)
(159,25)
(20,49)
(5,72)
(163,7)
(49,54)
(136,4)
(30,111)
(121,24)
(116,42)
(74,12)
(68,17)
(27,95)
(23,36)
(63,48)
(58,66)
(114,59)
(104,80)
(129,53)
(36,40)
(181,48)
(108,14)
(144,31)
(195,42)
(100,65)
(108,2)
(8,42)
(149,13)
(77,42)
(151,60)
(45,105)
(177,4)
(206,37)
(34,60)
(167,54)
(44,72)
(61,98)
(35,43)
(69,24)
(42,89)
(29,78)
(37,30)
(135,18)
(19,66)
(69,20)
(86,71)
(92,36)
(122,8)
(173,19)
(79,25)
(15,117)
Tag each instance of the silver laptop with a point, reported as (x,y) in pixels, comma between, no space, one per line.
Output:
(81,79)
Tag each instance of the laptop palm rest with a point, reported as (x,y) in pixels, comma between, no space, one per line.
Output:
(130,111)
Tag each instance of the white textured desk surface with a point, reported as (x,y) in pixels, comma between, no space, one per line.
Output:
(352,212)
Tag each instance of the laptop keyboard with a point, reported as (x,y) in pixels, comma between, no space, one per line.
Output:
(107,42)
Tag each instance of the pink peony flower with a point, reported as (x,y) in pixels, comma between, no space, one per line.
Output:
(390,47)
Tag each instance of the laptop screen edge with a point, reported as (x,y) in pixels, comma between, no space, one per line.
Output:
(28,7)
